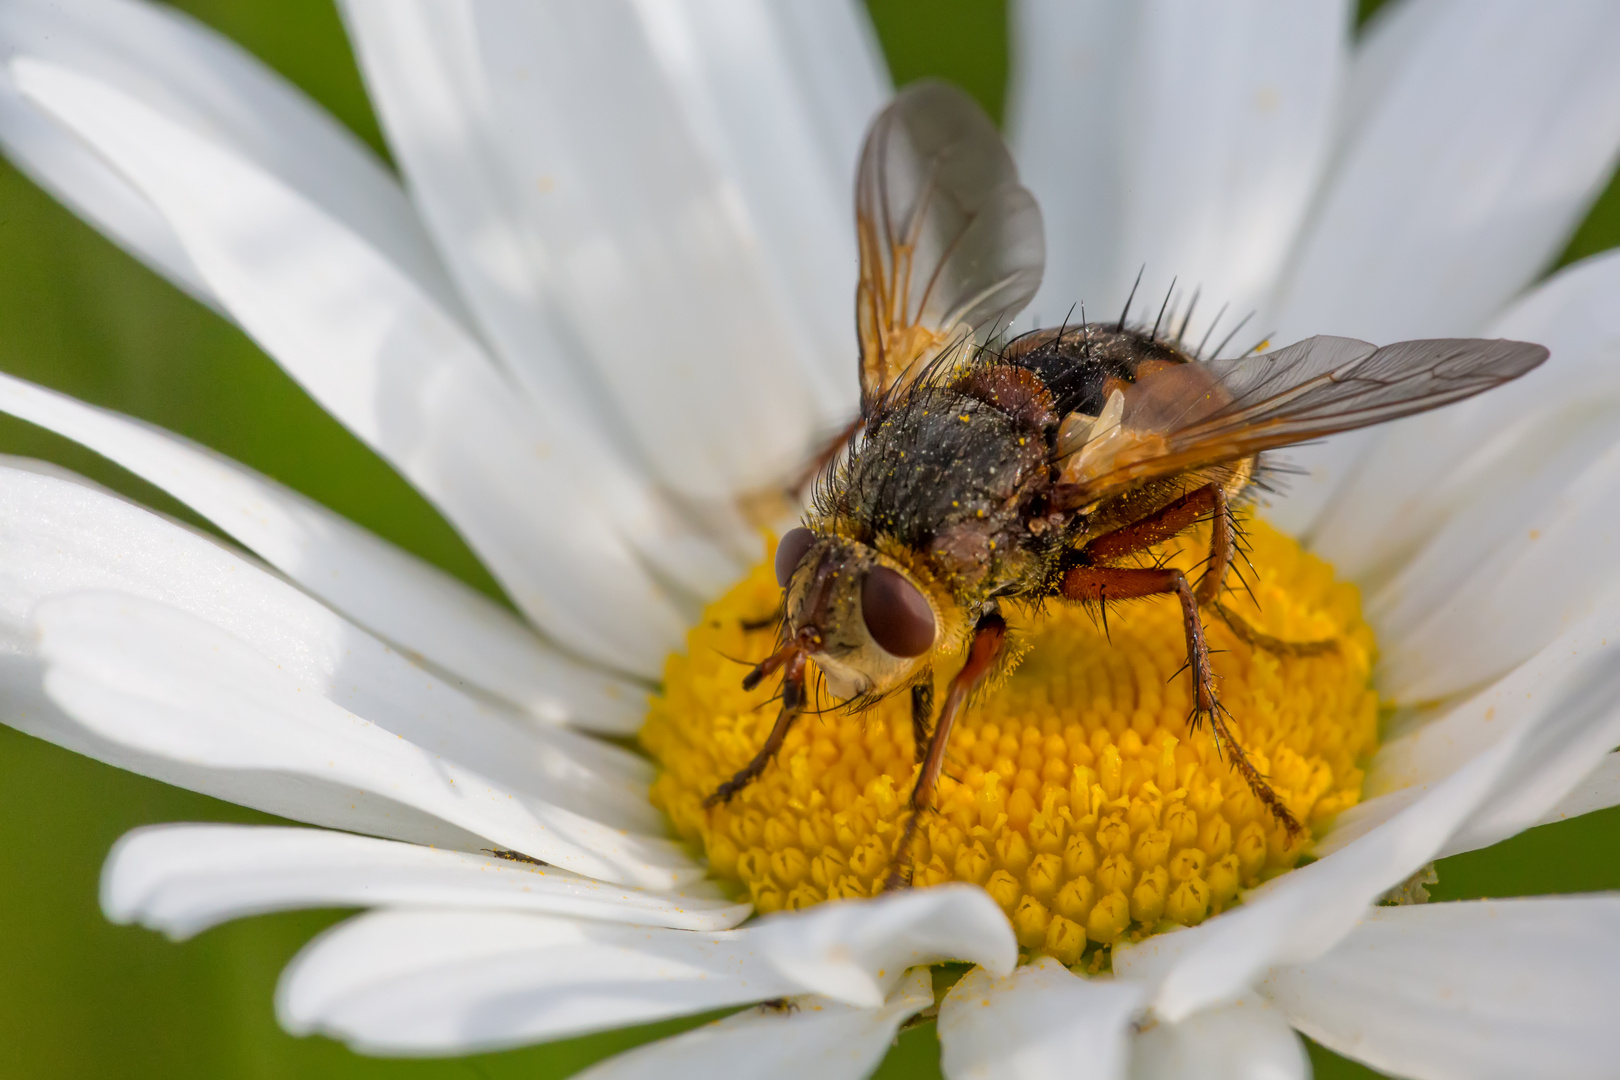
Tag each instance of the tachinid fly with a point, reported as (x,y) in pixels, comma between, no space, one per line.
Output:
(1040,468)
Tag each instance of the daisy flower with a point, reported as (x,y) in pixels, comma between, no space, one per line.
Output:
(610,291)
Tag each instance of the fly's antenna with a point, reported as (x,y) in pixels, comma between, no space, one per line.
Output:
(1227,340)
(1154,336)
(1187,318)
(1128,299)
(1211,330)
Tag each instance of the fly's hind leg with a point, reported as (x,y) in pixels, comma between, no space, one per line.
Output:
(989,641)
(1099,585)
(1210,585)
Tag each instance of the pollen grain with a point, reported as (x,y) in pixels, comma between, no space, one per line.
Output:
(1073,792)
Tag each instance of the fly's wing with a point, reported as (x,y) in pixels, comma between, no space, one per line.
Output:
(1184,416)
(951,243)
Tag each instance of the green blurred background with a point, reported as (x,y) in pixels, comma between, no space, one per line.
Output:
(82,998)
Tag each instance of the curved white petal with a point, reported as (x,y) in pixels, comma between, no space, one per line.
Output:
(1444,744)
(212,86)
(1301,915)
(1484,989)
(445,982)
(577,198)
(1549,568)
(392,592)
(1599,791)
(1474,144)
(398,371)
(1560,773)
(1065,111)
(779,95)
(802,1038)
(1177,137)
(167,683)
(1041,1022)
(1470,162)
(856,951)
(183,879)
(29,709)
(60,536)
(1424,470)
(1246,1040)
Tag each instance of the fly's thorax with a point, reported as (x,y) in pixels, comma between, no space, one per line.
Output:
(871,621)
(947,474)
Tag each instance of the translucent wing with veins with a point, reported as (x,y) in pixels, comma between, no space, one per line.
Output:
(1177,417)
(951,243)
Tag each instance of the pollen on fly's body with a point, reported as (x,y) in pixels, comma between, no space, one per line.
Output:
(1044,469)
(514,857)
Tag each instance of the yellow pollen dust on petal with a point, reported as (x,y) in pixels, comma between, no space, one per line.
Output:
(1073,791)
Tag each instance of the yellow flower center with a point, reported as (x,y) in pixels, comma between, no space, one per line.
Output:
(1073,791)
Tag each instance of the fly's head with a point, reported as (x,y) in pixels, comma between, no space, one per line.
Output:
(864,621)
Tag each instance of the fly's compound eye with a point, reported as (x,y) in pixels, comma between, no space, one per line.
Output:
(897,614)
(790,551)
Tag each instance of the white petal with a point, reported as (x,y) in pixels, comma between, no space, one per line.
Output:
(428,982)
(1302,914)
(1444,744)
(212,86)
(1549,568)
(856,951)
(61,536)
(183,879)
(779,95)
(805,1038)
(392,592)
(579,204)
(168,684)
(388,362)
(1039,1023)
(1557,773)
(1423,470)
(1174,136)
(1246,1040)
(1486,136)
(1477,134)
(1599,791)
(1485,989)
(1065,112)
(1226,125)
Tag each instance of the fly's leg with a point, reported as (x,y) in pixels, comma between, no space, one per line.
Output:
(1220,546)
(1209,592)
(922,714)
(1100,584)
(989,640)
(1247,634)
(792,705)
(1176,517)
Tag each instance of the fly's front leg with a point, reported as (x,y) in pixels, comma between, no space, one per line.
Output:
(989,641)
(792,705)
(1099,584)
